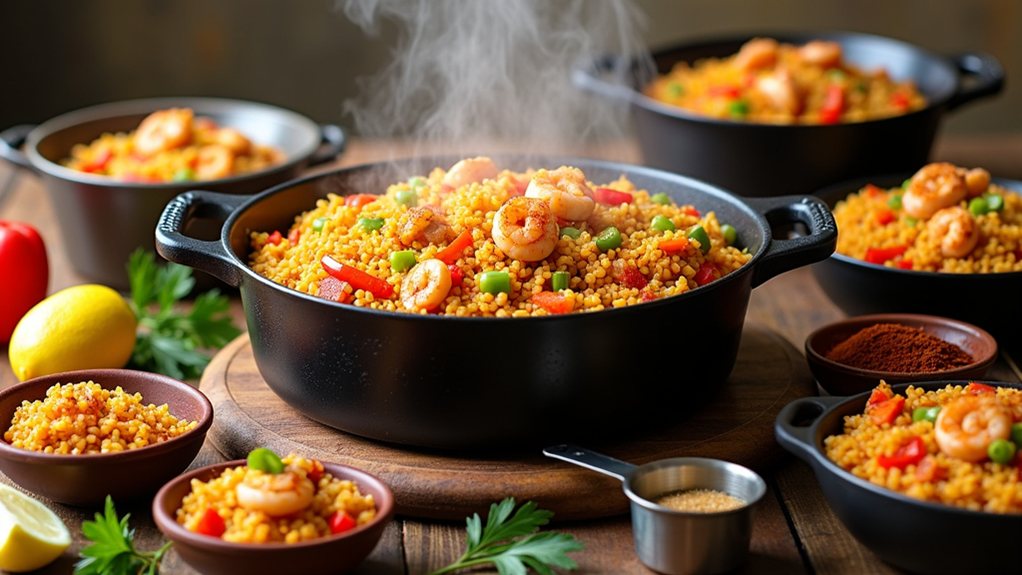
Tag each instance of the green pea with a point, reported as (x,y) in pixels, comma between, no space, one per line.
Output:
(318,224)
(662,199)
(495,282)
(370,224)
(926,413)
(406,198)
(910,221)
(979,206)
(894,202)
(738,109)
(265,460)
(571,232)
(994,202)
(699,234)
(1001,451)
(184,175)
(904,185)
(609,239)
(675,90)
(730,234)
(402,260)
(1016,433)
(559,280)
(662,224)
(417,183)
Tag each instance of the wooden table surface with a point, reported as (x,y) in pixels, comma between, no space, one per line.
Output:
(794,530)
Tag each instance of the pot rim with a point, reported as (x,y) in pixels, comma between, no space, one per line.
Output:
(700,186)
(111,110)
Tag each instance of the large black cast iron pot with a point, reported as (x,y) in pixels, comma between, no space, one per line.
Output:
(102,220)
(769,160)
(451,382)
(922,537)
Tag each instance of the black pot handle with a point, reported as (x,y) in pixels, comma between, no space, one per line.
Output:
(208,256)
(11,141)
(793,432)
(787,254)
(333,141)
(984,75)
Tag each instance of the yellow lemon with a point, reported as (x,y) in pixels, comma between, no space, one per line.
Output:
(30,534)
(82,327)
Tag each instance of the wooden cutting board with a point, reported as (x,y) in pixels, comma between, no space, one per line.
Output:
(737,425)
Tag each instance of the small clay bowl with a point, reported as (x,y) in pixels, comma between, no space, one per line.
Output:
(840,379)
(86,480)
(214,556)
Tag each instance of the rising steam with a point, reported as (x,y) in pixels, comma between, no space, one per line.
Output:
(468,72)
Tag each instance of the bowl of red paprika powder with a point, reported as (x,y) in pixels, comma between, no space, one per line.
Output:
(852,355)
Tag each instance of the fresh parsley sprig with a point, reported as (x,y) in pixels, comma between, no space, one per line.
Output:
(170,341)
(513,543)
(112,551)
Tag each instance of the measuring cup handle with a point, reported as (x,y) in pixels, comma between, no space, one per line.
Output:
(590,460)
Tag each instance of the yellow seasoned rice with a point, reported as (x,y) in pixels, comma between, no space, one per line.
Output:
(293,257)
(80,418)
(246,526)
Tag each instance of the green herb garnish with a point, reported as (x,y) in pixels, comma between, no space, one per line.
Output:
(112,551)
(513,543)
(169,341)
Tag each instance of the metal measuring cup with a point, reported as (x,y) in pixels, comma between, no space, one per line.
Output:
(680,542)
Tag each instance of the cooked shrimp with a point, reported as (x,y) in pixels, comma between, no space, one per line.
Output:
(779,87)
(932,188)
(214,162)
(164,130)
(470,171)
(821,53)
(566,190)
(233,140)
(275,494)
(757,53)
(956,229)
(977,180)
(966,426)
(426,285)
(423,222)
(525,229)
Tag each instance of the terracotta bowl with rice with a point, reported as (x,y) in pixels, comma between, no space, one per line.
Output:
(76,437)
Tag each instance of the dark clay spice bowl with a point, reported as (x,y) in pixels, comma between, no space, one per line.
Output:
(329,555)
(86,480)
(920,536)
(840,379)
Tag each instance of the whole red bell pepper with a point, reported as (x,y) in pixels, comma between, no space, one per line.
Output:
(24,272)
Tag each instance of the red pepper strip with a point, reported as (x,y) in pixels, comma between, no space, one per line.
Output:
(457,276)
(554,302)
(881,255)
(675,246)
(316,473)
(24,268)
(885,217)
(833,105)
(872,191)
(725,91)
(878,396)
(275,238)
(911,452)
(706,274)
(359,200)
(900,101)
(341,522)
(978,388)
(334,289)
(904,264)
(294,236)
(887,411)
(690,211)
(928,470)
(611,197)
(211,524)
(357,278)
(456,249)
(98,163)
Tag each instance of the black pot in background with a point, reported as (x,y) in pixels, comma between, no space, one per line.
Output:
(463,383)
(769,160)
(103,219)
(990,301)
(920,536)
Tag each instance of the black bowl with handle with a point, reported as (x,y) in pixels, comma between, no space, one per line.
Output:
(103,219)
(757,159)
(476,382)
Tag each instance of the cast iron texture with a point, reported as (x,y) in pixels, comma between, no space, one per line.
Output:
(911,534)
(102,220)
(461,383)
(769,160)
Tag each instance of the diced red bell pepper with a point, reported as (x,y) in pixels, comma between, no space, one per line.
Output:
(881,255)
(878,396)
(457,276)
(357,278)
(554,302)
(900,101)
(341,522)
(294,236)
(334,289)
(24,267)
(913,451)
(99,163)
(647,295)
(455,249)
(979,388)
(359,200)
(706,274)
(275,238)
(904,264)
(885,217)
(691,211)
(872,191)
(887,411)
(628,274)
(611,197)
(316,473)
(928,470)
(674,246)
(211,523)
(724,91)
(833,105)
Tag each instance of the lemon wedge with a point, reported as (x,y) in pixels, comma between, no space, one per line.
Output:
(31,535)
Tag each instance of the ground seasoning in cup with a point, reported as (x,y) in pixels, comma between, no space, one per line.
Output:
(898,348)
